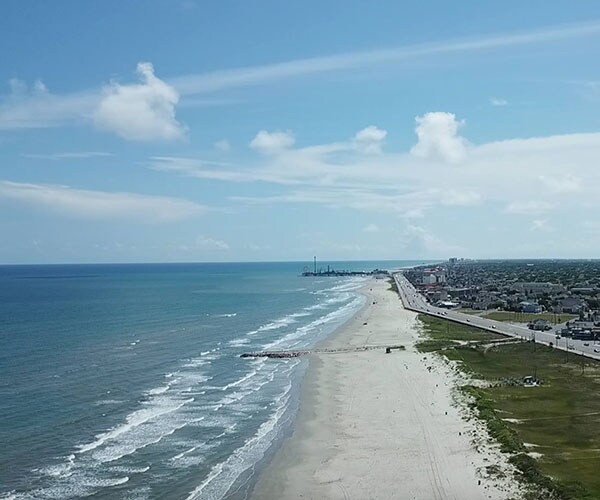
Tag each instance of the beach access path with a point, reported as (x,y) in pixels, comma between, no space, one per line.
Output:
(379,426)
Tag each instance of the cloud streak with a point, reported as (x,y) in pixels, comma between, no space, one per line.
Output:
(72,155)
(37,107)
(257,75)
(88,204)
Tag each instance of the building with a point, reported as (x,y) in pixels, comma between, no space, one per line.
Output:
(530,307)
(572,305)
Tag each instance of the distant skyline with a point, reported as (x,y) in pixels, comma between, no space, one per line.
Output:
(188,131)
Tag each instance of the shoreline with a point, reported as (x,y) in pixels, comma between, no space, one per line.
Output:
(376,425)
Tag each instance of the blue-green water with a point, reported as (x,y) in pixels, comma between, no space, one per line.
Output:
(124,381)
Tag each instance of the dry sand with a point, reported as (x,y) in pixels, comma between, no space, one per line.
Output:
(376,426)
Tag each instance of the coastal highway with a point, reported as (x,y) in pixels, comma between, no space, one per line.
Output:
(414,301)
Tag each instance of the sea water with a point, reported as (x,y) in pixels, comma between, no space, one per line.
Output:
(125,381)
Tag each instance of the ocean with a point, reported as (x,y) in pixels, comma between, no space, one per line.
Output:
(125,381)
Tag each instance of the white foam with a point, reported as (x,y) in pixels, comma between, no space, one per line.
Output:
(278,323)
(239,342)
(158,390)
(132,421)
(103,402)
(331,317)
(222,475)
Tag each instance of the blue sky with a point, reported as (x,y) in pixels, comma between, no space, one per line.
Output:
(179,131)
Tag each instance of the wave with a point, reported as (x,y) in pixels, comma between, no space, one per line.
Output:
(224,474)
(238,342)
(332,317)
(132,421)
(279,323)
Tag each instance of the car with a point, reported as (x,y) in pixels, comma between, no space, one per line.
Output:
(468,320)
(493,326)
(596,349)
(587,344)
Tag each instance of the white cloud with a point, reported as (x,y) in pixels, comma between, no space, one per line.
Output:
(563,184)
(541,225)
(40,108)
(206,243)
(272,142)
(87,204)
(498,101)
(438,137)
(528,207)
(522,175)
(370,139)
(223,145)
(371,228)
(140,112)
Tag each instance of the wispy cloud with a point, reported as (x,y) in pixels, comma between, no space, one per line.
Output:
(529,207)
(37,107)
(223,145)
(72,155)
(256,75)
(498,101)
(88,204)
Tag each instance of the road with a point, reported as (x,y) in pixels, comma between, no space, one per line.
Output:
(414,301)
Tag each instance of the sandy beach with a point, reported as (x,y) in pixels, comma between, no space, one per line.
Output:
(376,426)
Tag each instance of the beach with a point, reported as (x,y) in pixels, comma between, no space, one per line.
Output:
(373,425)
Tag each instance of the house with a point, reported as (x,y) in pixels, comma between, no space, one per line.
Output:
(538,288)
(572,305)
(530,307)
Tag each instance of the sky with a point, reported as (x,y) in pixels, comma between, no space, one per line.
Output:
(200,131)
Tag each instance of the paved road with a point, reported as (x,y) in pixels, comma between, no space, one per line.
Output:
(414,301)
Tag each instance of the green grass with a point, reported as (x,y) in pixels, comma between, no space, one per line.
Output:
(561,417)
(519,317)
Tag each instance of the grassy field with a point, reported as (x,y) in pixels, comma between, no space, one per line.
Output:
(519,317)
(560,418)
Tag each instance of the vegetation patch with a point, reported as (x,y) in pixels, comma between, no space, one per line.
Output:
(560,418)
